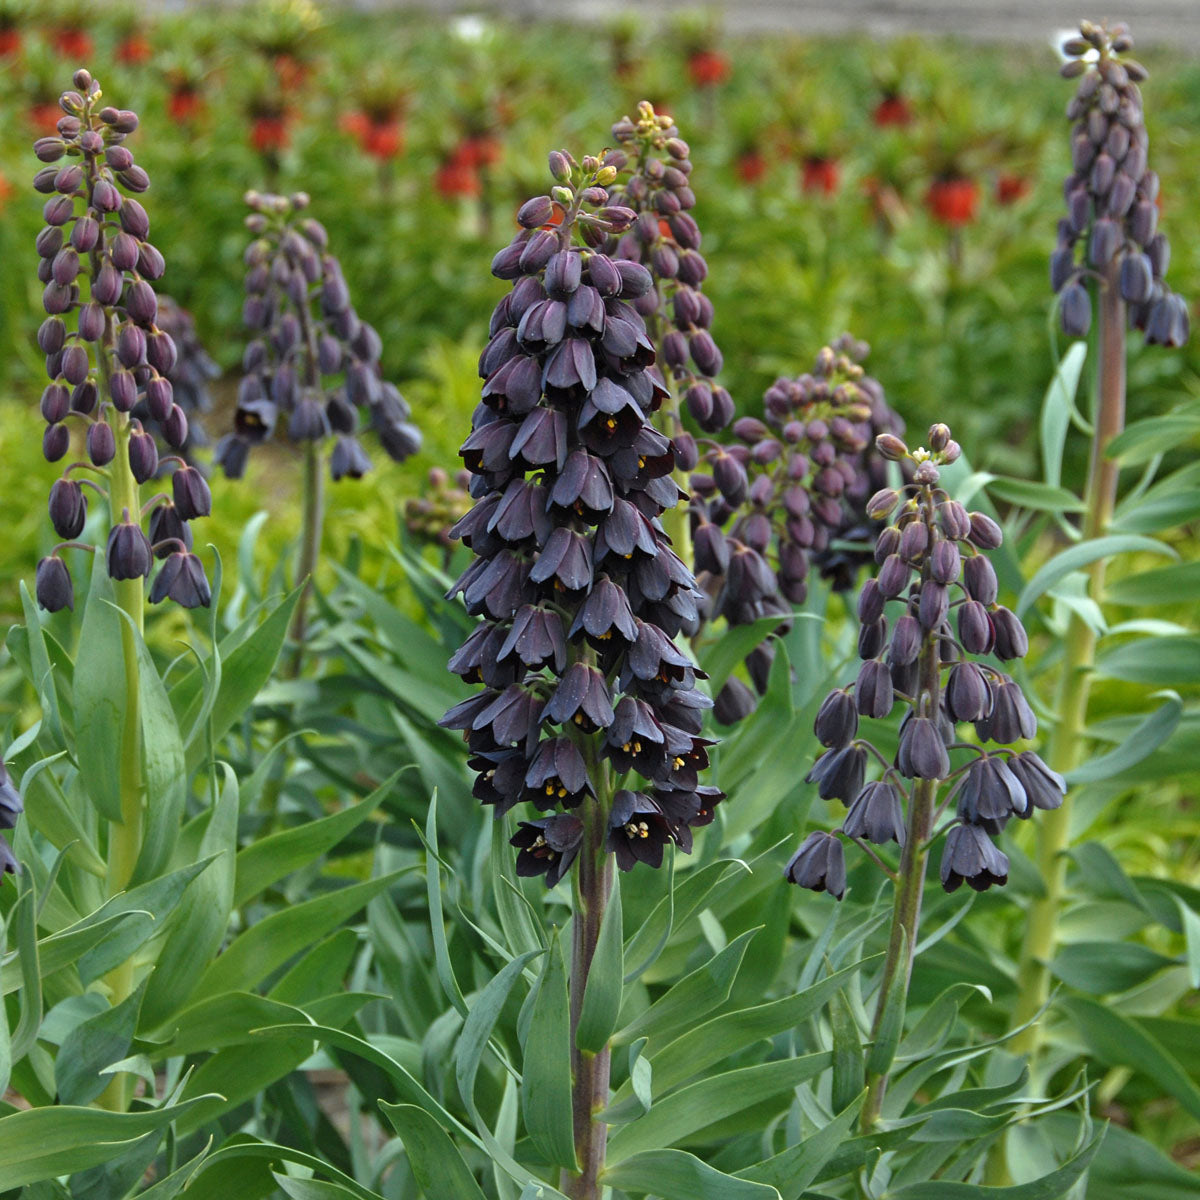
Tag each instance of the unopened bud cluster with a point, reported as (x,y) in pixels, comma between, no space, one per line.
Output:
(579,591)
(1112,213)
(108,357)
(931,636)
(312,367)
(776,496)
(444,501)
(193,371)
(655,183)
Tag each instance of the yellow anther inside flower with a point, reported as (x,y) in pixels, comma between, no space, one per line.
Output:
(677,762)
(578,718)
(550,789)
(638,830)
(641,461)
(610,424)
(637,747)
(625,747)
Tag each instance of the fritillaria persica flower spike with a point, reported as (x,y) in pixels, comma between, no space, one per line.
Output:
(109,356)
(312,367)
(774,499)
(933,644)
(1111,224)
(576,582)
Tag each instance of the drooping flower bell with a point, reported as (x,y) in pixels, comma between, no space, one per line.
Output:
(579,591)
(1111,195)
(312,368)
(109,356)
(942,672)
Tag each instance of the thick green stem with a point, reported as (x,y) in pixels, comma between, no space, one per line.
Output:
(1070,733)
(310,550)
(125,839)
(910,887)
(590,1072)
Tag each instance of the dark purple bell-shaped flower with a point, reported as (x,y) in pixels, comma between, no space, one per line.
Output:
(819,865)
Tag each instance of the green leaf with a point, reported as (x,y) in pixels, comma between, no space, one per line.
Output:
(241,1147)
(436,1164)
(1118,1040)
(1164,585)
(93,1045)
(1040,497)
(792,1170)
(1057,410)
(848,1066)
(891,1023)
(1154,435)
(42,1143)
(164,775)
(546,1068)
(269,943)
(201,921)
(1048,1187)
(99,697)
(25,919)
(228,1019)
(437,923)
(1191,930)
(243,672)
(676,1175)
(693,996)
(1074,557)
(1140,744)
(6,1059)
(602,995)
(312,1189)
(39,661)
(729,1033)
(1166,661)
(711,1101)
(266,861)
(720,656)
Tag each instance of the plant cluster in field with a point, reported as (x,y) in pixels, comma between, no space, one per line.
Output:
(1112,216)
(312,367)
(931,562)
(580,591)
(113,360)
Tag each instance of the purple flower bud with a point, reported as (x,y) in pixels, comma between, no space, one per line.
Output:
(985,533)
(907,639)
(56,403)
(54,588)
(91,322)
(68,508)
(975,629)
(979,580)
(1043,786)
(101,444)
(953,520)
(873,693)
(877,814)
(107,285)
(1011,639)
(175,427)
(141,303)
(837,720)
(945,562)
(55,442)
(839,773)
(75,364)
(870,602)
(968,693)
(1011,718)
(894,576)
(192,496)
(85,234)
(143,456)
(131,345)
(922,753)
(84,396)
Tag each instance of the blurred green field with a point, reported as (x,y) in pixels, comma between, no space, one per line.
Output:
(816,217)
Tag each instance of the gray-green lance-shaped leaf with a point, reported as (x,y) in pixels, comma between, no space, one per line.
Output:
(602,996)
(711,1101)
(1140,744)
(1163,585)
(1120,1041)
(202,918)
(1049,1187)
(93,1045)
(848,1065)
(1165,661)
(99,697)
(42,1143)
(1058,407)
(692,997)
(677,1175)
(436,1164)
(1103,968)
(546,1067)
(269,859)
(1081,555)
(791,1171)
